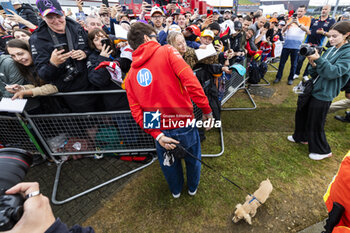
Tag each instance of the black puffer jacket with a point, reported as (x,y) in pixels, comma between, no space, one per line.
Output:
(28,13)
(101,79)
(42,47)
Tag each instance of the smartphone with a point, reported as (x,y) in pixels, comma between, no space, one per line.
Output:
(6,6)
(80,16)
(105,2)
(124,8)
(63,46)
(209,13)
(106,42)
(216,41)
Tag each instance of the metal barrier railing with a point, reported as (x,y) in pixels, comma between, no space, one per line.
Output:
(92,133)
(234,84)
(14,132)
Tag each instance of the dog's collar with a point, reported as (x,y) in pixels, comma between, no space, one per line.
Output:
(254,198)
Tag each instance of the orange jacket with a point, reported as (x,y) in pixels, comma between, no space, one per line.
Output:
(339,191)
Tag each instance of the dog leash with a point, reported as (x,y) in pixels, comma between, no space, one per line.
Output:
(218,173)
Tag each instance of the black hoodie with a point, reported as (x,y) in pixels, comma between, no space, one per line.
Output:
(27,12)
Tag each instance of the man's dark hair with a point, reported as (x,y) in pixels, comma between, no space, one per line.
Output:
(248,18)
(137,32)
(303,6)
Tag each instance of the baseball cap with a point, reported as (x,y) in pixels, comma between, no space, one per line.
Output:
(49,6)
(237,25)
(176,12)
(216,12)
(273,20)
(229,11)
(16,2)
(207,32)
(174,28)
(194,29)
(156,10)
(282,23)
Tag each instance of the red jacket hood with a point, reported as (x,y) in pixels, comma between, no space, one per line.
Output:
(143,53)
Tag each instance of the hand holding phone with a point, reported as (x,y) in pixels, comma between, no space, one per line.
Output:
(63,46)
(209,13)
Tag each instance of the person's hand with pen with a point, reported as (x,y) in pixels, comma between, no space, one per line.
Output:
(18,90)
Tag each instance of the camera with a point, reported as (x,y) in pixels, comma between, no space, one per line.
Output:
(14,164)
(295,15)
(71,73)
(307,50)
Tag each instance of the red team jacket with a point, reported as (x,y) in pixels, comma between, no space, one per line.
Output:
(159,79)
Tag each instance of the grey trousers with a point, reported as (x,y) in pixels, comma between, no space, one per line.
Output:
(339,105)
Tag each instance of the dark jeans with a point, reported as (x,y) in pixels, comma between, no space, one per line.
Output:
(189,139)
(309,125)
(293,62)
(300,65)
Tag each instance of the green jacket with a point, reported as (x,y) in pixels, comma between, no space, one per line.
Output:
(333,69)
(10,75)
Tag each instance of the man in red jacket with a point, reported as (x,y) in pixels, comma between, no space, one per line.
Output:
(160,86)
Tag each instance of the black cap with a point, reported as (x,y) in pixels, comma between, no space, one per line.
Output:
(214,26)
(49,6)
(237,25)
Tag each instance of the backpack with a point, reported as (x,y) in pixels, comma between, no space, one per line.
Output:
(256,72)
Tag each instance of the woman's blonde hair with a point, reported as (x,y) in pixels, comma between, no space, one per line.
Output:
(172,37)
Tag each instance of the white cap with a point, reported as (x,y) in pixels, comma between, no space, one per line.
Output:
(16,2)
(156,10)
(174,28)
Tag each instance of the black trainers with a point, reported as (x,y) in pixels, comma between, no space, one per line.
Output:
(345,118)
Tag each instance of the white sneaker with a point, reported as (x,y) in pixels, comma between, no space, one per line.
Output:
(176,195)
(295,76)
(192,193)
(290,138)
(315,156)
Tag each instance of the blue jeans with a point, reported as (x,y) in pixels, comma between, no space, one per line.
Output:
(293,62)
(189,139)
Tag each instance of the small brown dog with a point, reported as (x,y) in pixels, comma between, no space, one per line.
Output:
(251,204)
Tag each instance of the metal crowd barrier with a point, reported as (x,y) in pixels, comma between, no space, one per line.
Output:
(15,132)
(234,84)
(92,133)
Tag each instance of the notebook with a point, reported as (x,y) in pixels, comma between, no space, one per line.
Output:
(207,52)
(9,105)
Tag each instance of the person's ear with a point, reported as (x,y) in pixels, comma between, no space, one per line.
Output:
(146,38)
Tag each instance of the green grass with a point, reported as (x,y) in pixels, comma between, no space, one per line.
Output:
(245,2)
(255,149)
